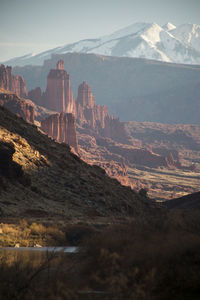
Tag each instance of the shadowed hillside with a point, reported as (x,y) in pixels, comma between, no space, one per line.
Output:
(43,178)
(191,201)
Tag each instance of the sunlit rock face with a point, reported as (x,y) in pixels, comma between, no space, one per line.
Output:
(18,106)
(62,128)
(8,81)
(58,95)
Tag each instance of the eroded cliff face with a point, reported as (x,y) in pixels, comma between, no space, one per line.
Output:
(58,95)
(62,128)
(18,106)
(8,81)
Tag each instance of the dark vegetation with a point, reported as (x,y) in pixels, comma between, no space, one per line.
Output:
(156,260)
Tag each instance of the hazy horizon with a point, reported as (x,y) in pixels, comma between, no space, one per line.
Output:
(35,26)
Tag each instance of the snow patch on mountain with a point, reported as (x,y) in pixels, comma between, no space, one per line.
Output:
(169,26)
(188,34)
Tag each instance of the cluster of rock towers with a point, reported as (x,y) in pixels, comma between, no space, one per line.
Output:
(58,97)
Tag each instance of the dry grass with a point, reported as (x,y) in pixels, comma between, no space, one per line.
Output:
(29,234)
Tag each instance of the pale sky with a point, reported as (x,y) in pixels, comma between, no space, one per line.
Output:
(37,25)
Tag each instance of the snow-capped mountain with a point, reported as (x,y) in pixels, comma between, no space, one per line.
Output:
(189,34)
(145,40)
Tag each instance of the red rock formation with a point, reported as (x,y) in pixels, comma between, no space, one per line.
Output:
(138,156)
(62,128)
(115,129)
(18,106)
(87,111)
(85,97)
(58,95)
(12,83)
(96,116)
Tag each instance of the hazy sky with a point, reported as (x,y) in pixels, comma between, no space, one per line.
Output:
(36,25)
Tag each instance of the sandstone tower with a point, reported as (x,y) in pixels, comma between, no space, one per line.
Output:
(58,95)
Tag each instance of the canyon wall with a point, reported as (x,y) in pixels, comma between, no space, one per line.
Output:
(62,128)
(8,81)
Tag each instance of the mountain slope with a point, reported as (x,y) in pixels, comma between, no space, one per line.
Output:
(41,177)
(144,40)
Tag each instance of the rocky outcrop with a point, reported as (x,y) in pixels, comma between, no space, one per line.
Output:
(112,163)
(88,113)
(115,129)
(18,106)
(62,128)
(12,83)
(58,95)
(96,117)
(138,156)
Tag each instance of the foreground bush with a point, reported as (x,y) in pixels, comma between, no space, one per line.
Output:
(157,260)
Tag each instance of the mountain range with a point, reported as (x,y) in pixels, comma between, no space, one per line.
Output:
(169,43)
